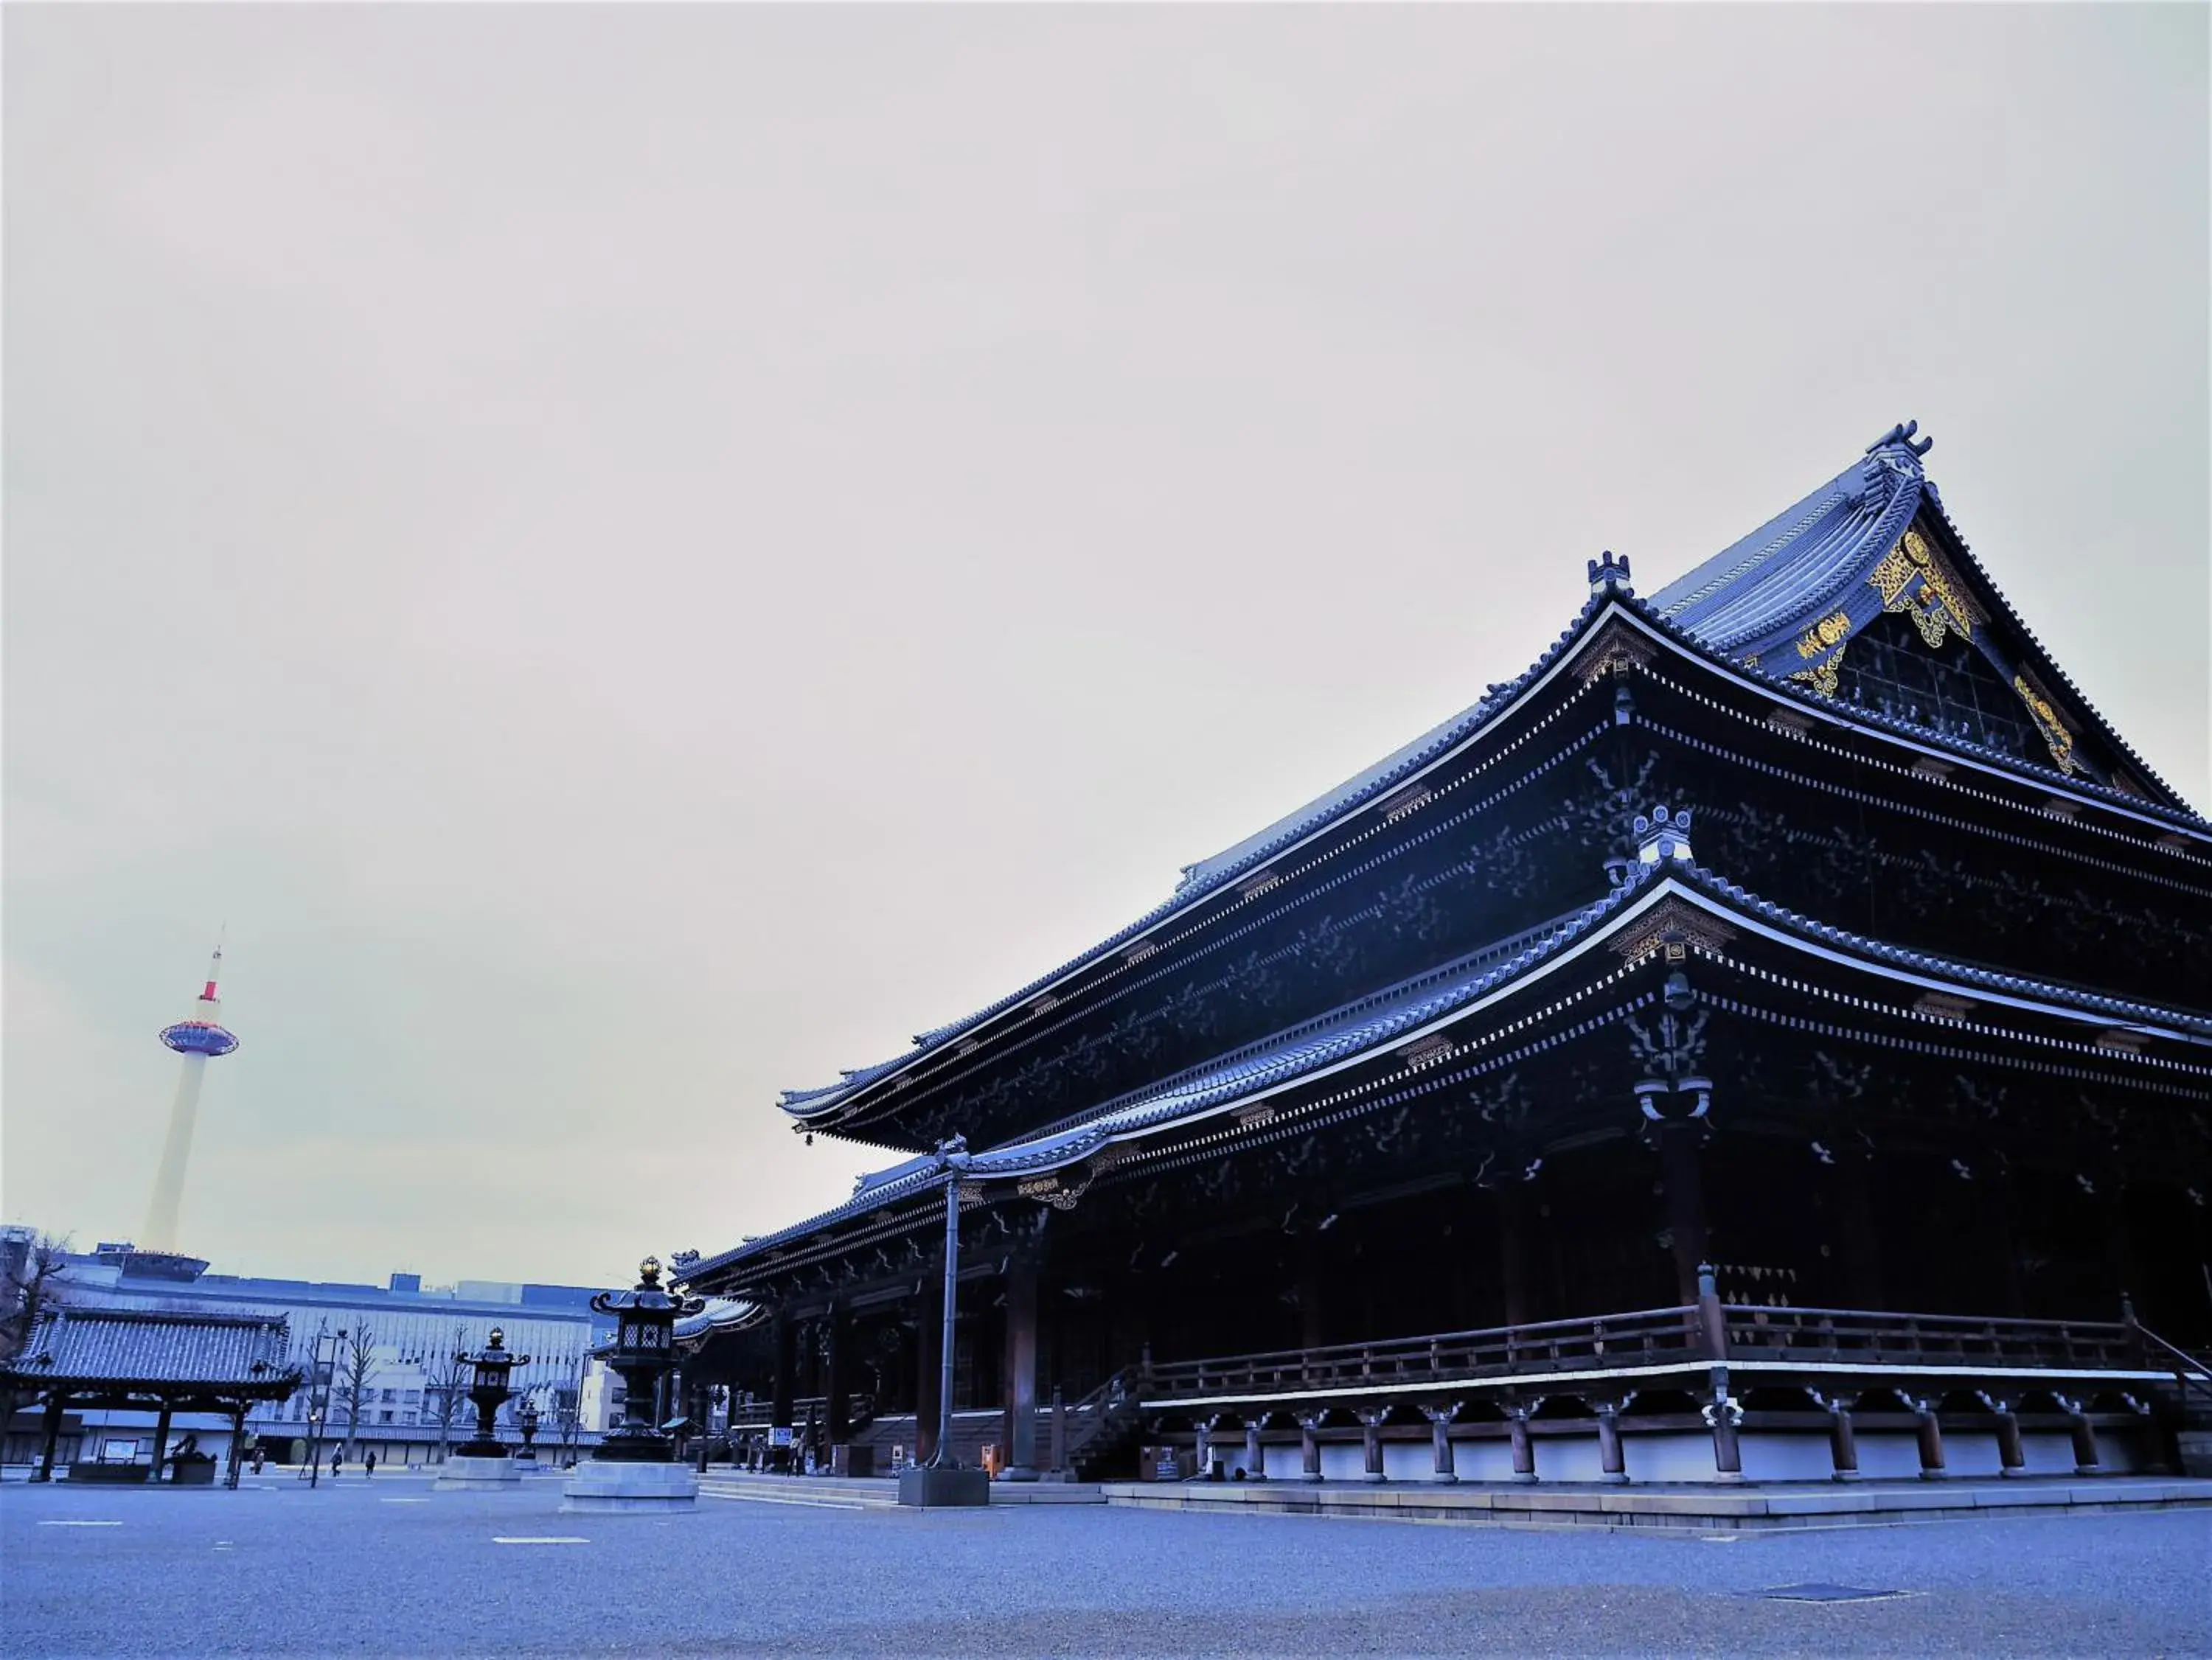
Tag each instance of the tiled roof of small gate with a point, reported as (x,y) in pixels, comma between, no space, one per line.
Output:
(150,1346)
(1785,572)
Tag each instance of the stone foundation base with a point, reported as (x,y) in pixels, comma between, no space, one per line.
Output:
(458,1474)
(928,1488)
(607,1485)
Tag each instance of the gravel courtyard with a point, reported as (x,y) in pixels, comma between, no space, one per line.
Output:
(393,1568)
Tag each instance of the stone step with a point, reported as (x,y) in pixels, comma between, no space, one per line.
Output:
(1718,1510)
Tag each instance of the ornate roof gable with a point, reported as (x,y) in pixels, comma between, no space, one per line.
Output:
(1864,592)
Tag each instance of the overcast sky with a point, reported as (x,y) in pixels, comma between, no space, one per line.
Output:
(637,557)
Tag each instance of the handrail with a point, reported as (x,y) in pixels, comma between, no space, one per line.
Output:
(1608,1340)
(1533,1333)
(2188,1370)
(1713,1331)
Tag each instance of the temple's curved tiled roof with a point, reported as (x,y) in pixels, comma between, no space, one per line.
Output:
(1373,1024)
(1763,588)
(1791,567)
(1210,875)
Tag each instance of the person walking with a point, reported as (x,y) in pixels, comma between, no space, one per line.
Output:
(369,1463)
(338,1462)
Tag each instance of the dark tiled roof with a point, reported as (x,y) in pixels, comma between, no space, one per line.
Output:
(1773,580)
(245,1354)
(1374,1024)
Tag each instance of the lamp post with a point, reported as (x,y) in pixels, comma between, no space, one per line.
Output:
(525,1416)
(319,1372)
(942,1480)
(634,1467)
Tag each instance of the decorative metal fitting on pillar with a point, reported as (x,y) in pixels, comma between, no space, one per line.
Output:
(1672,1089)
(491,1366)
(1608,574)
(643,1353)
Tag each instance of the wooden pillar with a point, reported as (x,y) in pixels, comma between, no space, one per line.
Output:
(1723,1414)
(2119,1246)
(1612,1466)
(2012,1456)
(1310,1445)
(237,1444)
(930,1383)
(1310,1325)
(1681,1160)
(785,1333)
(2004,1238)
(1370,1437)
(1255,1449)
(1857,1241)
(1021,1366)
(2086,1460)
(1843,1437)
(52,1429)
(836,1381)
(161,1436)
(1930,1438)
(1440,1443)
(1524,1446)
(1513,1251)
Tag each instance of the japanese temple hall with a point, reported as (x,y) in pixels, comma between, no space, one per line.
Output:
(1771,1037)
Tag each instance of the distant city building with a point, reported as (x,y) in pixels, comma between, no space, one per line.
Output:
(408,1333)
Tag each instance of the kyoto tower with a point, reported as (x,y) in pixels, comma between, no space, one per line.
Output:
(199,1037)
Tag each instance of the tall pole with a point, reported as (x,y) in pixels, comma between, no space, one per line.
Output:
(315,1400)
(941,1454)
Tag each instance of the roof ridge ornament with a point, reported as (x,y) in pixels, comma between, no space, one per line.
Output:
(1662,837)
(1901,436)
(1608,574)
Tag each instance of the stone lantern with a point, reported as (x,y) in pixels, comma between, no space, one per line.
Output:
(634,1467)
(481,1462)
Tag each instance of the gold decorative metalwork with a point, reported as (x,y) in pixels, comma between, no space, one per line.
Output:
(1821,677)
(1824,636)
(2057,735)
(1916,579)
(1674,927)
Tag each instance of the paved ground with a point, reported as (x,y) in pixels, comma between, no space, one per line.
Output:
(391,1568)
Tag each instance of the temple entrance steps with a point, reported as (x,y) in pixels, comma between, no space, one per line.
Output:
(817,1492)
(873,1493)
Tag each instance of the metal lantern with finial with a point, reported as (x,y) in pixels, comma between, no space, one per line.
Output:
(643,1351)
(490,1366)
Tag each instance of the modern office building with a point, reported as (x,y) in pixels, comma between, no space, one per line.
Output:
(392,1345)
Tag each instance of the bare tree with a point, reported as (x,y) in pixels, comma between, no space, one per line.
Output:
(32,1270)
(444,1386)
(356,1366)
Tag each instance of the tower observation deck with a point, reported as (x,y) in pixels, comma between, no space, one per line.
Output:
(199,1038)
